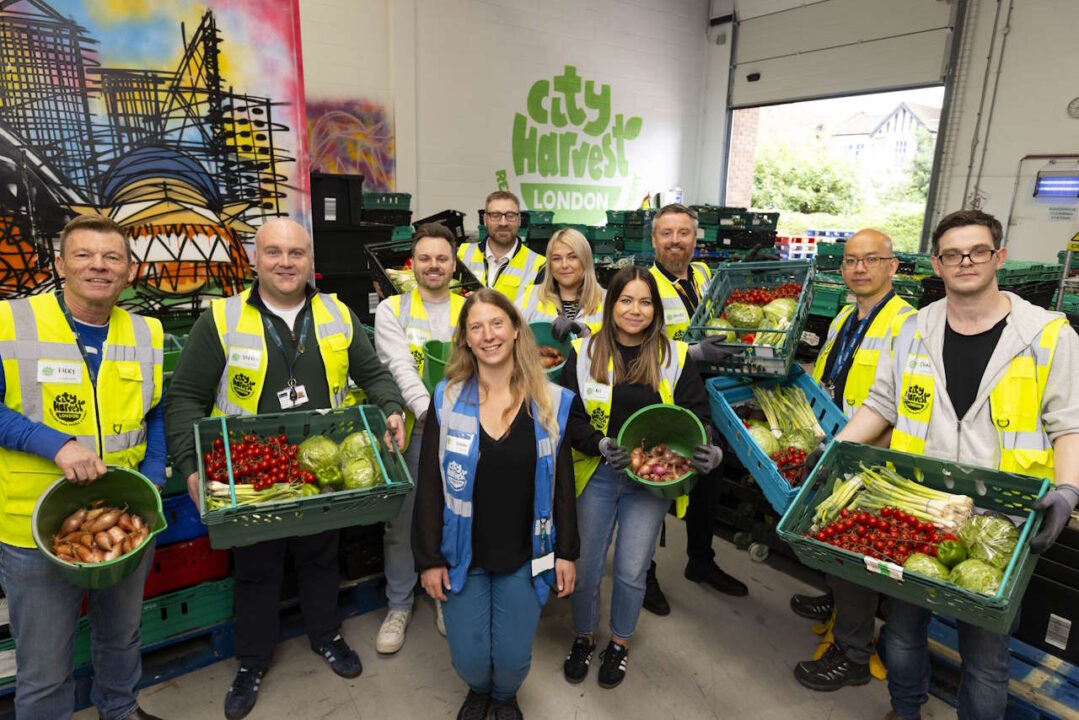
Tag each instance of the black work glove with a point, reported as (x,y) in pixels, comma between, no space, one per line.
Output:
(811,462)
(711,350)
(562,327)
(706,458)
(1058,505)
(616,455)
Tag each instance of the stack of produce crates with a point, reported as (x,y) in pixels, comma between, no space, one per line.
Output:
(829,256)
(1074,269)
(632,229)
(830,294)
(387,262)
(796,248)
(909,287)
(735,228)
(1036,282)
(452,219)
(387,208)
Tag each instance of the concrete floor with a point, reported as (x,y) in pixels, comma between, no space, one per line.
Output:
(712,657)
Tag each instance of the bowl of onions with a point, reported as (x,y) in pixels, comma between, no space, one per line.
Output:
(661,439)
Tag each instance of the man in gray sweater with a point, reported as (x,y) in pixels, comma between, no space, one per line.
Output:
(403,323)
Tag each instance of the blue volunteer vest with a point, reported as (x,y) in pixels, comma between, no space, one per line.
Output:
(458,454)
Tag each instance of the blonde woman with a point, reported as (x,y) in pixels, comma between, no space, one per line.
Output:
(495,520)
(569,295)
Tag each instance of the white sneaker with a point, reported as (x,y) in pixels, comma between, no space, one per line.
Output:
(439,622)
(391,636)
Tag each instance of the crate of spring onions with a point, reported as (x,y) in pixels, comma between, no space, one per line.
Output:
(759,310)
(948,537)
(278,475)
(772,425)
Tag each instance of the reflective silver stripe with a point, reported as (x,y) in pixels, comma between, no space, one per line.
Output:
(145,354)
(226,406)
(912,427)
(584,367)
(463,423)
(874,343)
(337,323)
(1025,440)
(89,441)
(473,260)
(19,349)
(1041,354)
(458,506)
(671,370)
(33,403)
(125,441)
(671,304)
(903,349)
(404,315)
(234,306)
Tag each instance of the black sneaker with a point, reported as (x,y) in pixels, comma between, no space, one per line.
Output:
(831,672)
(506,709)
(243,693)
(813,607)
(715,577)
(580,655)
(342,659)
(613,668)
(655,601)
(474,707)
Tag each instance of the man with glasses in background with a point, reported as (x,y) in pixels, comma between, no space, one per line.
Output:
(981,378)
(846,367)
(502,261)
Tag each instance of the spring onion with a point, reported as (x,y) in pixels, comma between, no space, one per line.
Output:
(787,409)
(218,494)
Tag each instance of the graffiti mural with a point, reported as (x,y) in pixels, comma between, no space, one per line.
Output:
(180,120)
(352,137)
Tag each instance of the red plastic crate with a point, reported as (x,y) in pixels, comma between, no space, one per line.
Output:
(184,564)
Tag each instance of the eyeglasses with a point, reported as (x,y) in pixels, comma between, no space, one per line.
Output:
(870,262)
(977,256)
(498,216)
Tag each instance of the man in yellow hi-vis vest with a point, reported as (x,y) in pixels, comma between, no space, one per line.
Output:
(279,346)
(81,386)
(403,323)
(502,261)
(985,378)
(859,335)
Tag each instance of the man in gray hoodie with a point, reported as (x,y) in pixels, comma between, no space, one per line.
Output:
(981,377)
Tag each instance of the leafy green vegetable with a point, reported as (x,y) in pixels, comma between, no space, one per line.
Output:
(781,309)
(991,538)
(801,438)
(726,334)
(743,315)
(926,565)
(976,576)
(355,446)
(951,552)
(359,474)
(320,455)
(764,437)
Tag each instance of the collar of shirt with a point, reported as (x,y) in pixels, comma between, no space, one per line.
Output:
(256,300)
(489,254)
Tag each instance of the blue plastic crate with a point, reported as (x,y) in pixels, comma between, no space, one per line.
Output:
(724,395)
(183,519)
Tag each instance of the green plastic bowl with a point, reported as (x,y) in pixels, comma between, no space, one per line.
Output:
(436,353)
(119,487)
(542,332)
(676,426)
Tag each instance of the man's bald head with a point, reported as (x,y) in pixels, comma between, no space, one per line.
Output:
(281,227)
(870,240)
(869,263)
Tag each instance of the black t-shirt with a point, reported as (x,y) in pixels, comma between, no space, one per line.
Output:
(965,360)
(686,289)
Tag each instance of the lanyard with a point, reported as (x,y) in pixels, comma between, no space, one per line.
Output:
(78,338)
(854,331)
(289,362)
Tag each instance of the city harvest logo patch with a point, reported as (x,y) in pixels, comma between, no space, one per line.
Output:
(67,409)
(916,399)
(242,386)
(569,131)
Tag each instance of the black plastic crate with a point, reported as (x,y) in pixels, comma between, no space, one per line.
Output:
(336,200)
(395,254)
(1048,619)
(530,217)
(388,216)
(355,290)
(735,239)
(339,251)
(453,219)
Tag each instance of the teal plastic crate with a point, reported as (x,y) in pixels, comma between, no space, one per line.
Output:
(990,489)
(401,233)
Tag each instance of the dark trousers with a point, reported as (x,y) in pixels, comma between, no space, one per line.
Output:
(700,520)
(258,572)
(855,619)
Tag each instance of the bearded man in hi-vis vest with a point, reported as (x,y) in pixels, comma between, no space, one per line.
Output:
(985,378)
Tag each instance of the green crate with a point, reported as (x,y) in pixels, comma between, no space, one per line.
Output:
(248,524)
(830,249)
(720,215)
(642,231)
(387,201)
(1075,260)
(629,217)
(637,245)
(537,217)
(1003,492)
(754,360)
(828,300)
(401,233)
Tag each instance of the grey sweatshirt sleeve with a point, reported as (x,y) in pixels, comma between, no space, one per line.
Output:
(392,348)
(881,398)
(1060,404)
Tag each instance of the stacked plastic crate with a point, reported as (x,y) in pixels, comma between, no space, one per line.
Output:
(796,248)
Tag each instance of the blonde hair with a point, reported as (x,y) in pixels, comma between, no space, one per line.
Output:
(590,296)
(528,381)
(656,349)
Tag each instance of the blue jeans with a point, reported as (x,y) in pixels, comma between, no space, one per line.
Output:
(491,625)
(398,565)
(983,686)
(607,499)
(44,613)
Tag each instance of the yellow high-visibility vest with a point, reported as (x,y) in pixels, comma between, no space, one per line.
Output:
(519,274)
(411,316)
(597,396)
(863,367)
(1015,402)
(536,310)
(239,326)
(675,315)
(47,381)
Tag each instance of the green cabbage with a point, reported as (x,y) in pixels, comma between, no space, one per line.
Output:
(355,446)
(991,538)
(742,315)
(801,438)
(721,332)
(926,565)
(764,437)
(781,308)
(320,455)
(976,576)
(359,474)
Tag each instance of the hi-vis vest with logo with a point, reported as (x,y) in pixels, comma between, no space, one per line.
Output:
(48,382)
(675,315)
(458,414)
(536,310)
(518,274)
(411,316)
(1015,403)
(243,338)
(597,397)
(863,366)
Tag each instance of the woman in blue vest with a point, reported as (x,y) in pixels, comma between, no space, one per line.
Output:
(628,364)
(495,521)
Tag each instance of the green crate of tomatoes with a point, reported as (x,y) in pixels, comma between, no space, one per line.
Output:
(944,536)
(278,475)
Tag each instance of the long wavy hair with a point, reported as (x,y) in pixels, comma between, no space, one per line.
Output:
(528,381)
(656,348)
(590,295)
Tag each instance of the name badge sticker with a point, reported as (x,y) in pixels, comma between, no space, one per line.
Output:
(676,316)
(542,564)
(416,336)
(459,444)
(247,358)
(597,392)
(59,371)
